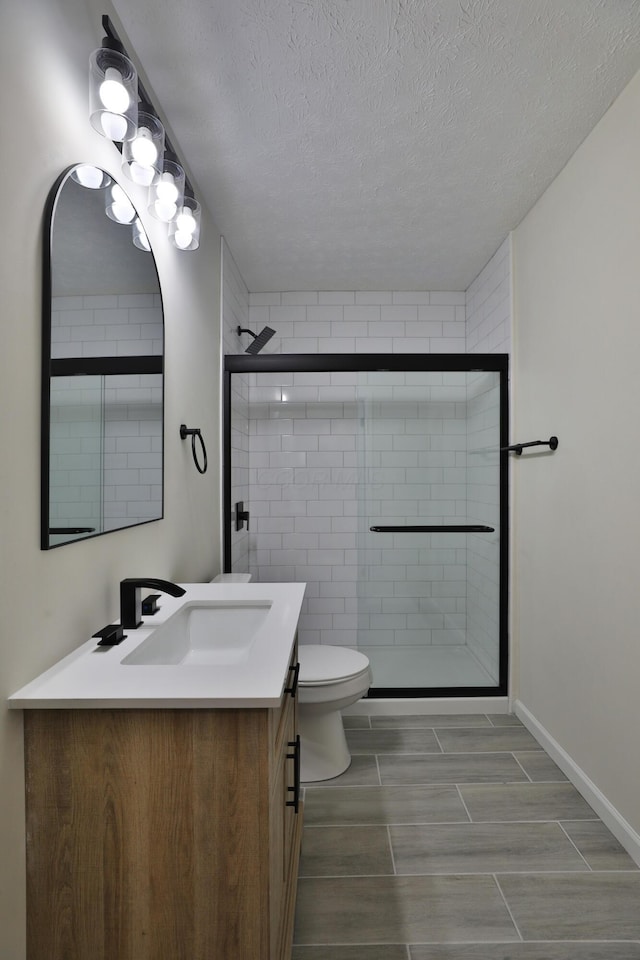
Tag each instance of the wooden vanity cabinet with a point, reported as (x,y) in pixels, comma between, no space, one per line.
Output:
(162,834)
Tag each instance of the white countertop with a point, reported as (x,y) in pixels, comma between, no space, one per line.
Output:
(95,677)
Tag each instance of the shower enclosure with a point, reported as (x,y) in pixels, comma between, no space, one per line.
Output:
(381,482)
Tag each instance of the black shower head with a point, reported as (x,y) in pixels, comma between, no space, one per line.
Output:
(259,339)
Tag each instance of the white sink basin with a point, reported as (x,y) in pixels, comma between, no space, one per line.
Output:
(204,633)
(238,638)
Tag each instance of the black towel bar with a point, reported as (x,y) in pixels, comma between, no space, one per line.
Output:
(517,448)
(435,528)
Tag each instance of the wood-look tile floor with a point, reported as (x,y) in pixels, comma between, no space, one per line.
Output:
(458,838)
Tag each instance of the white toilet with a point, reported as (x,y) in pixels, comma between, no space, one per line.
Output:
(330,679)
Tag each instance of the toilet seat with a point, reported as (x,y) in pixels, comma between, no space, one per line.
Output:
(322,665)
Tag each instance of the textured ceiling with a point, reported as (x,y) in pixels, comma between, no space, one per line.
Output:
(378,144)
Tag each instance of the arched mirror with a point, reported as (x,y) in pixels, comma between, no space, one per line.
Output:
(102,363)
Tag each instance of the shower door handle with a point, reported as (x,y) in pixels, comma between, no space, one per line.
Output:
(242,516)
(434,528)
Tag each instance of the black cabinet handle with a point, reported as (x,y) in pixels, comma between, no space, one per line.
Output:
(295,789)
(295,669)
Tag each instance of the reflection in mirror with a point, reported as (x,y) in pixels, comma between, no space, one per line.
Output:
(103,344)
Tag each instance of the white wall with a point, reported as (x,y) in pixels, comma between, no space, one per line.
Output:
(53,601)
(577,513)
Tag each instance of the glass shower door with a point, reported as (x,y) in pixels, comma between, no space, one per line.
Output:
(384,490)
(429,599)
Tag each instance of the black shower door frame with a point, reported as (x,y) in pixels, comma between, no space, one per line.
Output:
(397,362)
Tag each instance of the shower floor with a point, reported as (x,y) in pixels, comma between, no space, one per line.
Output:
(427,666)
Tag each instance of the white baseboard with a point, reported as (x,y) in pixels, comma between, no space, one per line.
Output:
(373,707)
(619,827)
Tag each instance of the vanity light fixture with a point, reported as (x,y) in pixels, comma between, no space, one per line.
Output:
(113,91)
(142,155)
(121,110)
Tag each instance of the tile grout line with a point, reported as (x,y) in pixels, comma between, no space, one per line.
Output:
(393,858)
(521,767)
(504,900)
(462,801)
(575,845)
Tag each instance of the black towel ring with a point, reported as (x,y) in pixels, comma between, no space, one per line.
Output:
(195,432)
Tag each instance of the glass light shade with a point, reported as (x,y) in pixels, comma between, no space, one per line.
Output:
(184,231)
(113,94)
(140,238)
(119,207)
(142,156)
(93,178)
(166,194)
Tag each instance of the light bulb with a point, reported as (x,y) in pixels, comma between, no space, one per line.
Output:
(113,93)
(140,238)
(122,212)
(164,211)
(166,190)
(141,174)
(185,221)
(114,126)
(121,209)
(89,176)
(182,239)
(143,149)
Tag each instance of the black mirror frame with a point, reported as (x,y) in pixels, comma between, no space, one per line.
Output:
(118,365)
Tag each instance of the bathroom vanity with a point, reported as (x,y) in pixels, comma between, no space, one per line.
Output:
(166,826)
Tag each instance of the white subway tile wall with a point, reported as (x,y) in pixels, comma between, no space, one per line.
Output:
(132,477)
(106,326)
(489,305)
(75,453)
(111,472)
(361,322)
(308,462)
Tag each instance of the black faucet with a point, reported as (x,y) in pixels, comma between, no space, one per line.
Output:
(130,598)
